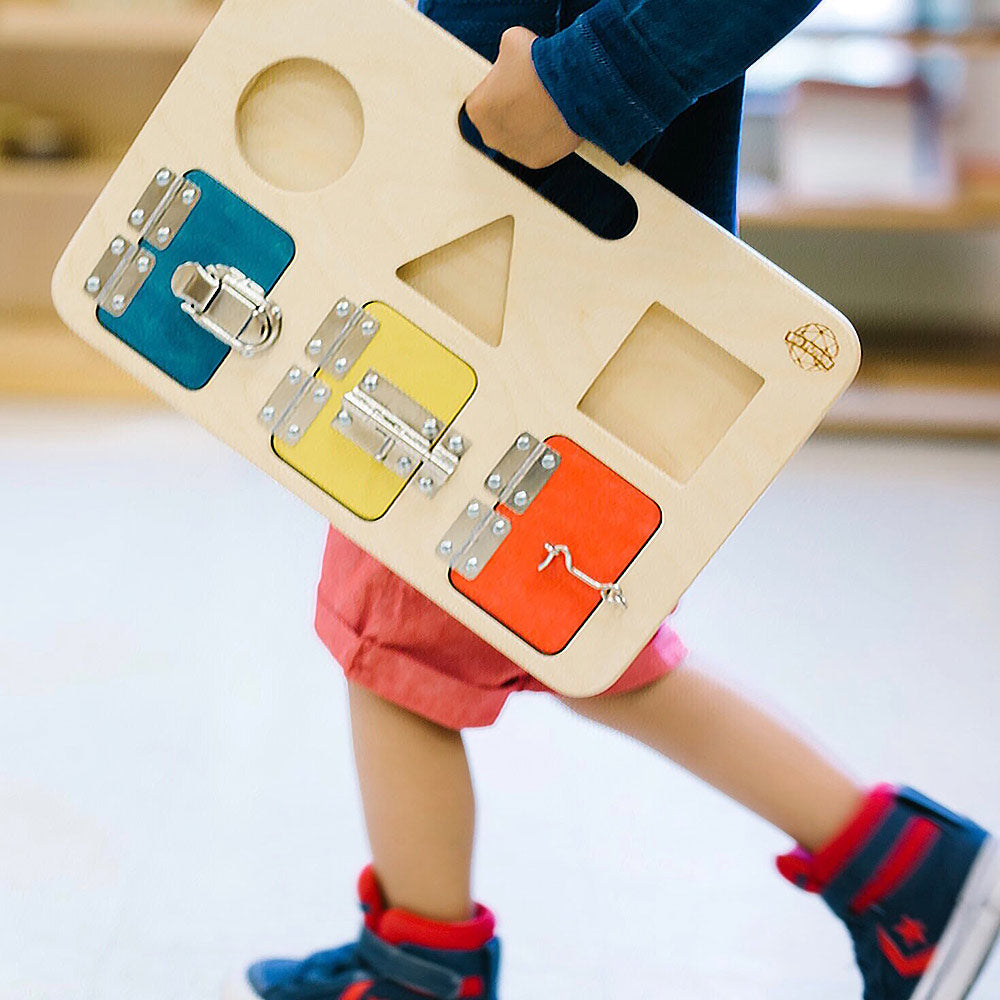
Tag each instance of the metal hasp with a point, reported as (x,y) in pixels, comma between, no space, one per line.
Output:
(226,303)
(611,593)
(399,433)
(515,482)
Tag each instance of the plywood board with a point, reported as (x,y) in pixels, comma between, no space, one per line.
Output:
(676,356)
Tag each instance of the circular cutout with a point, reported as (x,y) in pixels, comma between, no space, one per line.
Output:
(299,124)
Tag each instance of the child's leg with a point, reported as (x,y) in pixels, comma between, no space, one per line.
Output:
(419,807)
(724,739)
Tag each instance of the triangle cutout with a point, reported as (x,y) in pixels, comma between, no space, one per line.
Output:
(468,278)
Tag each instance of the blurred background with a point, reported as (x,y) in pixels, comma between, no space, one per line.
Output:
(176,792)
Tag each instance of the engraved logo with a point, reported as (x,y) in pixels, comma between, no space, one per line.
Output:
(813,347)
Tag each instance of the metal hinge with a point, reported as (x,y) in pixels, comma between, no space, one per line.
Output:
(296,403)
(399,433)
(516,482)
(226,303)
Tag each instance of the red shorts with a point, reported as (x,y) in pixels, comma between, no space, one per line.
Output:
(391,639)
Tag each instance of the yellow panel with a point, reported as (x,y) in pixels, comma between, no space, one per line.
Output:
(414,362)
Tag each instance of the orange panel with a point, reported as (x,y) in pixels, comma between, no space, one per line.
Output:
(603,519)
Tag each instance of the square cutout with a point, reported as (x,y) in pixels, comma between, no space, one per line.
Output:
(670,393)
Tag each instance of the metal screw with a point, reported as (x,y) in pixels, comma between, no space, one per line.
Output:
(523,442)
(520,499)
(343,418)
(471,564)
(93,284)
(499,527)
(294,375)
(341,364)
(189,195)
(138,217)
(473,509)
(445,547)
(548,461)
(163,234)
(163,177)
(142,265)
(426,484)
(494,482)
(118,302)
(343,307)
(294,430)
(371,381)
(456,444)
(267,413)
(118,246)
(319,393)
(368,327)
(430,427)
(315,346)
(404,464)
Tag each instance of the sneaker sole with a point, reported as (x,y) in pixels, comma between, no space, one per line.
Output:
(969,935)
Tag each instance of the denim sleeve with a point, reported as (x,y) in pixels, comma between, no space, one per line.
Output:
(625,69)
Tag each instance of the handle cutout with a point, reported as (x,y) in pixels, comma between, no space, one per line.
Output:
(574,186)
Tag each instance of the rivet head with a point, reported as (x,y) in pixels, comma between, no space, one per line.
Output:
(319,393)
(341,364)
(426,484)
(343,417)
(315,346)
(163,177)
(523,442)
(142,265)
(472,564)
(368,327)
(188,196)
(446,546)
(118,302)
(548,461)
(499,527)
(456,444)
(294,375)
(520,499)
(93,284)
(118,246)
(430,427)
(404,464)
(494,482)
(163,234)
(267,413)
(473,509)
(371,381)
(137,217)
(343,307)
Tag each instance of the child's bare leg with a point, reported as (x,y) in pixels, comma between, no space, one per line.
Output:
(419,807)
(724,739)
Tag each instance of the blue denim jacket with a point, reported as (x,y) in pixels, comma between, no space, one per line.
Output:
(657,82)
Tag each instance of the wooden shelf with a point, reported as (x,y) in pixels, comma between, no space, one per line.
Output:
(54,27)
(769,210)
(39,357)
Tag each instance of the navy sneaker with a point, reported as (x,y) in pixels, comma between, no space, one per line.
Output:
(399,956)
(919,890)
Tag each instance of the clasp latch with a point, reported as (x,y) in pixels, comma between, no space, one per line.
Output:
(226,303)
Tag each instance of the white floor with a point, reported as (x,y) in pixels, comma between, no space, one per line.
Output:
(176,793)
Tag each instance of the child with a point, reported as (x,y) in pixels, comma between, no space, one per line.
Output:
(658,82)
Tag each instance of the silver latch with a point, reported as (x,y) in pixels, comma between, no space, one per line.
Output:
(515,482)
(611,593)
(226,303)
(399,433)
(123,269)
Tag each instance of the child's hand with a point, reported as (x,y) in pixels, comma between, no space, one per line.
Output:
(513,111)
